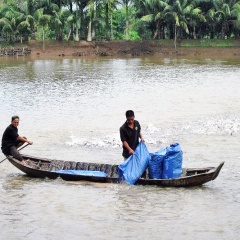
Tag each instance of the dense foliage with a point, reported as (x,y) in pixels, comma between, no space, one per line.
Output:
(89,20)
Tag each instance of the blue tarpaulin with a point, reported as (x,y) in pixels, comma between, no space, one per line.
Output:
(155,166)
(166,163)
(172,164)
(131,169)
(83,172)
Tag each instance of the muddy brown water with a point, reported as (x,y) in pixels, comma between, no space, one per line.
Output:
(72,110)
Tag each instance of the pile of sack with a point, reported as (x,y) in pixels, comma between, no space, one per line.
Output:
(166,163)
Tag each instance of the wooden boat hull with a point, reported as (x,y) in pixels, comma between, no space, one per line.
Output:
(42,168)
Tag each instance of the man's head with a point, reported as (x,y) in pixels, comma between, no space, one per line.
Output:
(129,113)
(130,116)
(15,121)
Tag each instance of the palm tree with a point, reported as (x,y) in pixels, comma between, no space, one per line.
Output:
(222,15)
(13,22)
(126,4)
(179,13)
(152,11)
(91,12)
(59,20)
(109,6)
(42,21)
(25,26)
(80,16)
(236,18)
(93,20)
(74,23)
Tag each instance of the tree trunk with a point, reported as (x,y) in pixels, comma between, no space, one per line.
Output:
(111,26)
(59,35)
(222,34)
(171,32)
(43,39)
(223,30)
(127,31)
(107,21)
(175,37)
(81,20)
(155,35)
(69,34)
(89,36)
(194,32)
(162,32)
(77,35)
(127,22)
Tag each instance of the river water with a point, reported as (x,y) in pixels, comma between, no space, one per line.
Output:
(72,110)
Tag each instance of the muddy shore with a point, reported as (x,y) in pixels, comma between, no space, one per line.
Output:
(125,49)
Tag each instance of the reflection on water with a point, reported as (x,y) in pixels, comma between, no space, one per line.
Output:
(72,110)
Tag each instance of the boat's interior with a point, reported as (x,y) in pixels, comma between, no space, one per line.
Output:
(111,170)
(46,165)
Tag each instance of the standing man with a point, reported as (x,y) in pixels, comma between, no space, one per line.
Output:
(130,132)
(11,140)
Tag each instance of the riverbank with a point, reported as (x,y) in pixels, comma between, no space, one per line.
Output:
(161,48)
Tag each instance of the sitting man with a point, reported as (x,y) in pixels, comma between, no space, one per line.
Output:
(11,141)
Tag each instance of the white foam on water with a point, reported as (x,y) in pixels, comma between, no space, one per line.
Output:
(151,128)
(106,141)
(212,126)
(155,136)
(152,136)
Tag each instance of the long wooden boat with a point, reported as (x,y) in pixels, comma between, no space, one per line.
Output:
(42,167)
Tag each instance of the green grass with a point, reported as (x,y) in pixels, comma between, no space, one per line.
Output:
(210,43)
(198,43)
(162,42)
(9,45)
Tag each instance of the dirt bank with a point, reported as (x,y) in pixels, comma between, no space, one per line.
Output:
(125,49)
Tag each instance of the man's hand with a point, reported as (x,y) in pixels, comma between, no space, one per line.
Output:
(131,151)
(30,142)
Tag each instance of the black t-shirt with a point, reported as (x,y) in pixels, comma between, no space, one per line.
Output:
(9,138)
(131,136)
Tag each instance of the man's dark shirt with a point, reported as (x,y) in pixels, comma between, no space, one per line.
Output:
(9,138)
(131,136)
